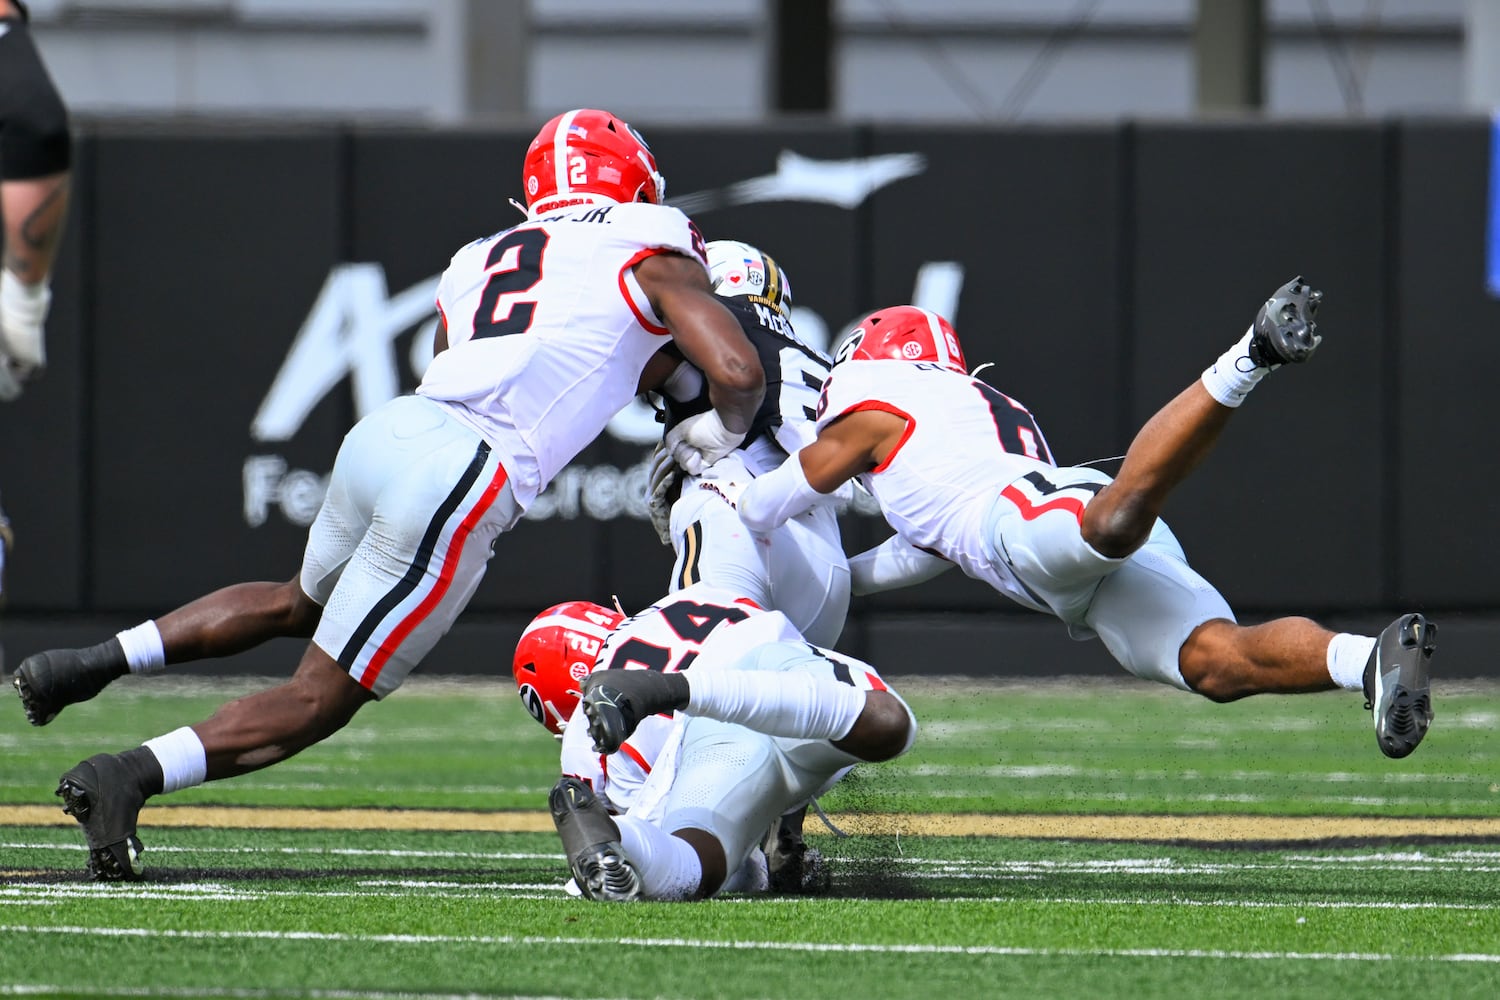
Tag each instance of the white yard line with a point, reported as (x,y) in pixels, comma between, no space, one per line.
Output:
(49,893)
(502,940)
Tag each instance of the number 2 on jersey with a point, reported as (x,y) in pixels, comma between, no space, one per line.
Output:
(517,257)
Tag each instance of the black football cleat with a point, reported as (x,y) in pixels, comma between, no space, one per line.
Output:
(591,841)
(1397,685)
(792,866)
(50,681)
(103,796)
(1284,331)
(616,701)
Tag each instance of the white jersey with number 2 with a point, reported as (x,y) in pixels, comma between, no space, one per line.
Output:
(548,331)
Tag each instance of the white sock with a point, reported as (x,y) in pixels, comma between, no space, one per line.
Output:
(143,648)
(1347,656)
(668,865)
(777,703)
(23,310)
(184,764)
(1230,379)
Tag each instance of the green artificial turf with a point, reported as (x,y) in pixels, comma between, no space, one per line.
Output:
(383,913)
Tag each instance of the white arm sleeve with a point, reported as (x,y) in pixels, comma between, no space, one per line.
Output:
(779,495)
(578,755)
(893,563)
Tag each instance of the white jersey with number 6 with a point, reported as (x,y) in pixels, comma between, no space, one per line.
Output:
(548,331)
(964,442)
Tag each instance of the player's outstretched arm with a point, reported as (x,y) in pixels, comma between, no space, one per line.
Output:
(854,443)
(893,563)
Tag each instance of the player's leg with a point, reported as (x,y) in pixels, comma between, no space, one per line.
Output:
(1225,662)
(242,616)
(711,544)
(809,575)
(105,793)
(591,843)
(605,870)
(1161,620)
(437,499)
(785,689)
(800,571)
(1171,444)
(730,785)
(228,621)
(1180,435)
(235,618)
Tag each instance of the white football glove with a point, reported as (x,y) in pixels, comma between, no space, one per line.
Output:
(700,441)
(23,311)
(727,477)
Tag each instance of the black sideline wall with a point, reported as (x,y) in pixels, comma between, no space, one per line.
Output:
(227,305)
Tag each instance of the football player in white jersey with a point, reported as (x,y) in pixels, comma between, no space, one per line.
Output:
(965,477)
(545,332)
(555,653)
(767,721)
(799,569)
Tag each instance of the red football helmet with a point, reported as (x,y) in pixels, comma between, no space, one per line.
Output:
(585,156)
(555,654)
(904,333)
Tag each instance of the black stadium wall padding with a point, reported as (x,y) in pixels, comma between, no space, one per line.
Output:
(1287,512)
(1440,374)
(44,443)
(207,251)
(228,303)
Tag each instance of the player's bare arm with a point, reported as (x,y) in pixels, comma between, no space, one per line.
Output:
(707,333)
(853,443)
(661,366)
(440,336)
